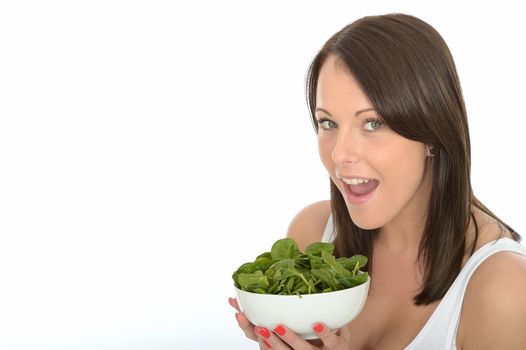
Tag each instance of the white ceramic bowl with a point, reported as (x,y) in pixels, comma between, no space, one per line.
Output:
(335,309)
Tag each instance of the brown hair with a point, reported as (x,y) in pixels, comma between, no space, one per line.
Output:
(406,70)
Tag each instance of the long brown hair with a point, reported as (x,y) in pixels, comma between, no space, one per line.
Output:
(406,70)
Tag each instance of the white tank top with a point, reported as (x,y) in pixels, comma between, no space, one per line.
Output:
(440,331)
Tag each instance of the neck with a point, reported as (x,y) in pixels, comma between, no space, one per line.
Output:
(401,237)
(403,233)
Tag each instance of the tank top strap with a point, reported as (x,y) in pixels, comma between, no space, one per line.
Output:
(329,234)
(481,255)
(440,331)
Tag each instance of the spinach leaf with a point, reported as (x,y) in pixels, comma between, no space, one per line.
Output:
(253,282)
(317,247)
(286,270)
(284,249)
(350,263)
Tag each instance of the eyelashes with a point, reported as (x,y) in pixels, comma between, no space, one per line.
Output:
(327,124)
(374,124)
(369,125)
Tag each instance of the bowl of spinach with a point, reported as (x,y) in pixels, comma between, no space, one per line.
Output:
(297,289)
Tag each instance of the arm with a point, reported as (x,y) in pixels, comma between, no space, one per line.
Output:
(494,310)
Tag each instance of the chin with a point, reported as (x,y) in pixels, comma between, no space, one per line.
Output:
(366,223)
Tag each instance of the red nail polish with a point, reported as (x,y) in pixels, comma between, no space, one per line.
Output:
(267,344)
(263,332)
(318,327)
(280,330)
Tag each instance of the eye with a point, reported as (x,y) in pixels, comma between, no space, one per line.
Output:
(373,124)
(327,124)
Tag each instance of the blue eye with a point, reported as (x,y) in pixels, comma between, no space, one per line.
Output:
(327,124)
(373,124)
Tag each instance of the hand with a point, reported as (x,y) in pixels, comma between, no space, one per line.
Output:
(242,321)
(282,338)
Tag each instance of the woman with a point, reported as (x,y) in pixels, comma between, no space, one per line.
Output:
(446,273)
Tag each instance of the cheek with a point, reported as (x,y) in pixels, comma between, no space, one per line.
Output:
(325,147)
(404,178)
(401,175)
(400,160)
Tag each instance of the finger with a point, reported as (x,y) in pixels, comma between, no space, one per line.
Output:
(330,339)
(233,302)
(283,334)
(268,340)
(246,326)
(264,344)
(242,321)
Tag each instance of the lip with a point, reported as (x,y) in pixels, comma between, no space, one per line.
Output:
(356,199)
(353,177)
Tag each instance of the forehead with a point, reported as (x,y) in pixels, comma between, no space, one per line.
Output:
(337,90)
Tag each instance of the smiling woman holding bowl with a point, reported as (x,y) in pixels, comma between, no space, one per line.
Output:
(446,273)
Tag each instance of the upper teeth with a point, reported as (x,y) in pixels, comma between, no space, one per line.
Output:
(355,181)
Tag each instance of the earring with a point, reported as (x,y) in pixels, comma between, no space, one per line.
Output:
(428,151)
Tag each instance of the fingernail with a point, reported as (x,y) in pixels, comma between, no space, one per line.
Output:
(263,332)
(280,330)
(267,344)
(238,317)
(318,327)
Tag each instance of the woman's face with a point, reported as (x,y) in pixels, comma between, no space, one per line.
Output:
(380,174)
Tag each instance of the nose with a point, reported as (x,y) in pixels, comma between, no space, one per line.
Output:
(347,148)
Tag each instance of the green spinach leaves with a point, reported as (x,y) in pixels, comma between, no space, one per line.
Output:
(285,270)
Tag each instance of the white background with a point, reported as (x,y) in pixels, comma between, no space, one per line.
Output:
(148,148)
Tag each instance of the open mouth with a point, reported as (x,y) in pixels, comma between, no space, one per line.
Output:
(359,190)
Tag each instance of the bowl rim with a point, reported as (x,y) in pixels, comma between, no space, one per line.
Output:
(307,295)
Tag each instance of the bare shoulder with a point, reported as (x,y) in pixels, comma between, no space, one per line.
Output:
(309,223)
(494,309)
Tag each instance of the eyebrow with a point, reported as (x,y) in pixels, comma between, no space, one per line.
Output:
(355,114)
